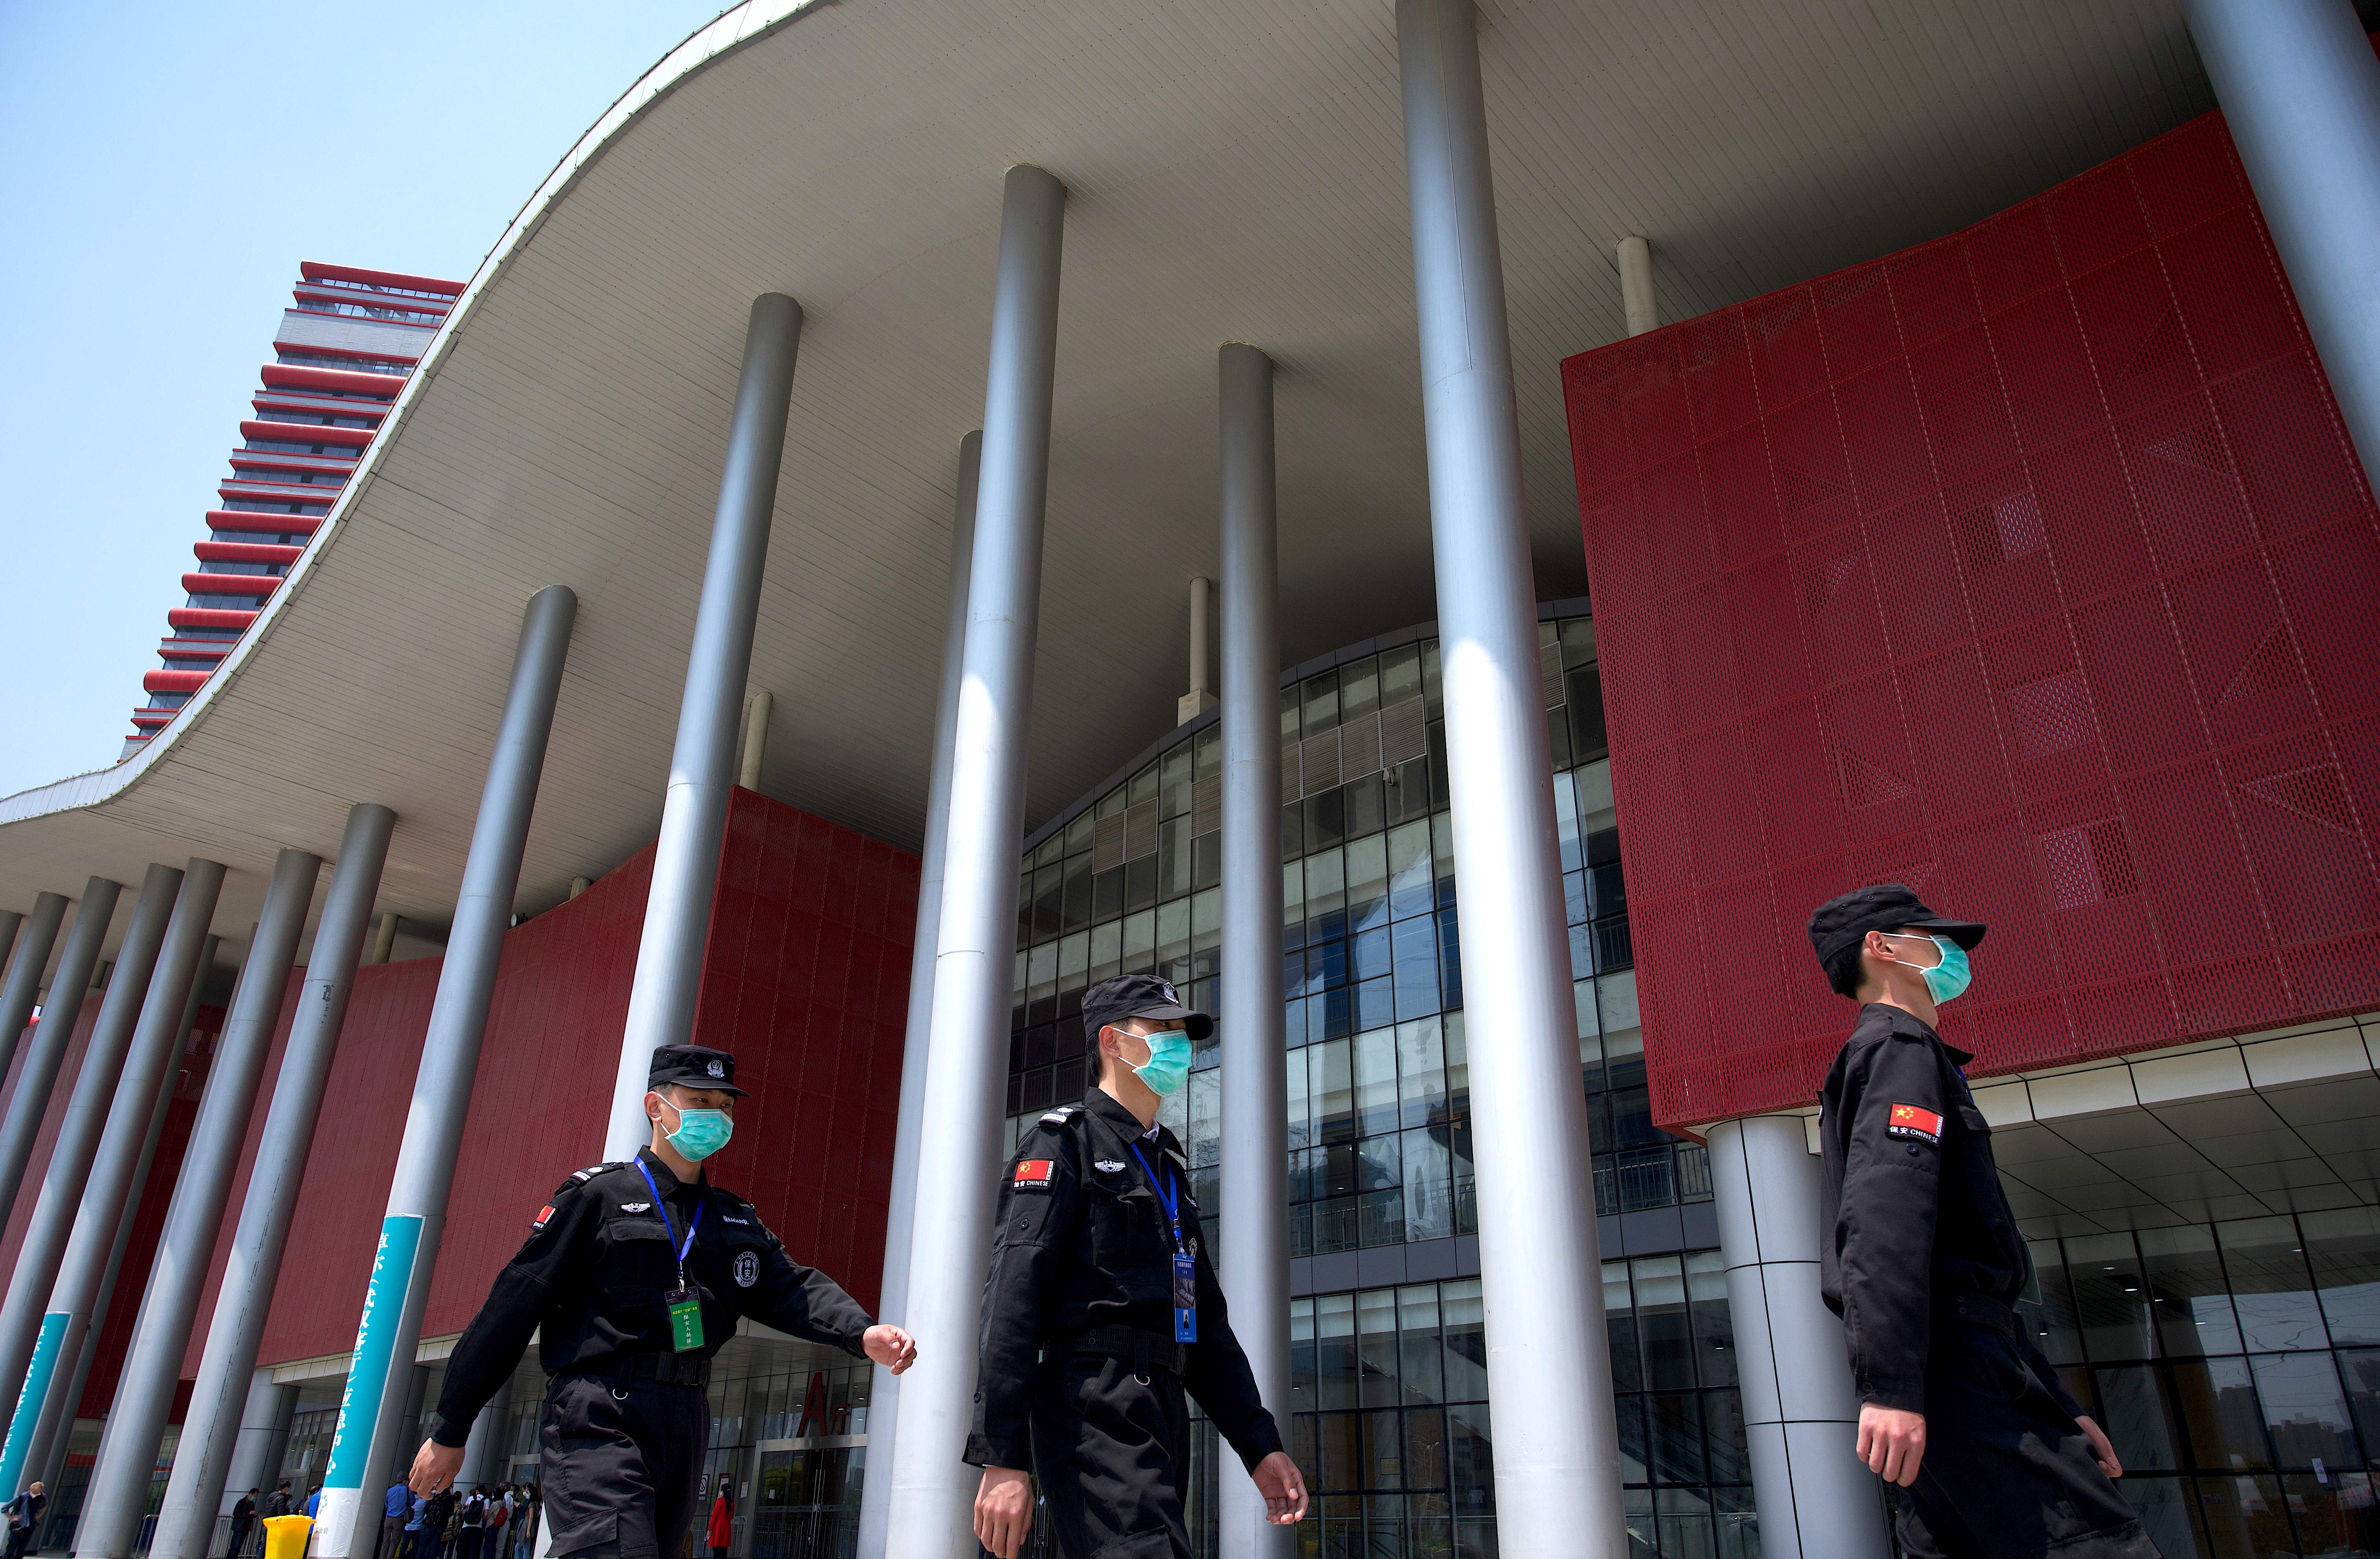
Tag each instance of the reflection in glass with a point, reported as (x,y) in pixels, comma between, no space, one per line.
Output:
(2270,1284)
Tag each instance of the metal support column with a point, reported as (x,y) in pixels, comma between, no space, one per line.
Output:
(31,1100)
(53,1434)
(1799,1414)
(756,740)
(108,1191)
(958,1147)
(1637,286)
(205,1457)
(1255,1255)
(703,767)
(1548,1366)
(117,1495)
(53,1222)
(364,1449)
(2301,91)
(383,939)
(884,1387)
(23,987)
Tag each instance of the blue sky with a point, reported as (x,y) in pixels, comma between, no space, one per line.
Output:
(163,170)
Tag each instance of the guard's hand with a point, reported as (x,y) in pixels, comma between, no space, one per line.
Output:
(2110,1463)
(1003,1510)
(1277,1479)
(434,1467)
(891,1346)
(1892,1442)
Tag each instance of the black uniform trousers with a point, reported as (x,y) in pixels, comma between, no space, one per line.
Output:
(620,1462)
(2007,1474)
(1111,1447)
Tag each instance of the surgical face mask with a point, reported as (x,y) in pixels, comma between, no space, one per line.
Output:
(1948,979)
(1167,1066)
(700,1133)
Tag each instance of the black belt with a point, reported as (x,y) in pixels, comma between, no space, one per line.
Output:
(668,1369)
(1980,1310)
(1147,1351)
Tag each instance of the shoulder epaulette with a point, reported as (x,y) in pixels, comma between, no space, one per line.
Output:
(1058,1116)
(580,1176)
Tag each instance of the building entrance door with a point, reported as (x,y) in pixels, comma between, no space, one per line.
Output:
(808,1503)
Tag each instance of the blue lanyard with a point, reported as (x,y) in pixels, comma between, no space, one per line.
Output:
(662,1208)
(1168,1194)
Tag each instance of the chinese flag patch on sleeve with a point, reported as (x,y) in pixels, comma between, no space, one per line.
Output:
(543,1215)
(1915,1121)
(1032,1175)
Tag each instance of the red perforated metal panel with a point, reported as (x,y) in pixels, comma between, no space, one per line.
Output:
(2030,567)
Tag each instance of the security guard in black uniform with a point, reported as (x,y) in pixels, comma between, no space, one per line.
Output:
(1101,1309)
(634,1276)
(1957,1405)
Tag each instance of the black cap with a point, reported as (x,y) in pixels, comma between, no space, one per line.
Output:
(1842,923)
(1138,995)
(695,1067)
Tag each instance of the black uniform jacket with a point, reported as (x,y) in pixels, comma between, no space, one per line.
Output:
(592,1277)
(1082,1242)
(1919,1215)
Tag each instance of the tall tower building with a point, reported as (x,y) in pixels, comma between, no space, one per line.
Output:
(346,343)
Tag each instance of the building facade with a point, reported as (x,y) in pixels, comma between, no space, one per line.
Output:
(2028,561)
(346,344)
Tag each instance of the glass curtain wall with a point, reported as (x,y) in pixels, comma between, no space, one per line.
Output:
(1379,1099)
(2236,1367)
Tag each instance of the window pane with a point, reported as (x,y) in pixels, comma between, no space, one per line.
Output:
(2185,1284)
(1301,1131)
(2304,1411)
(1334,1351)
(2270,1284)
(1619,1320)
(1415,954)
(1408,865)
(1421,1073)
(1368,881)
(1470,1461)
(2137,1419)
(1375,1341)
(1674,1423)
(1467,1343)
(1661,1317)
(1635,1462)
(1333,1085)
(1376,1080)
(1428,1185)
(2361,1369)
(2110,1296)
(2218,1413)
(2345,1248)
(1714,1333)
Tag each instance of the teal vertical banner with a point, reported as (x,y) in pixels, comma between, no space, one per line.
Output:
(27,1418)
(400,1238)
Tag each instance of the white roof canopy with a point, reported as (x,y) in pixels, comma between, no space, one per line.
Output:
(1236,169)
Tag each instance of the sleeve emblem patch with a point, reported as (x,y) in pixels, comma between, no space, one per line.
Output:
(1916,1122)
(747,1269)
(544,1216)
(1032,1175)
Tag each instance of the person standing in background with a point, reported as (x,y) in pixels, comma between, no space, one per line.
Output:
(394,1504)
(243,1521)
(720,1530)
(24,1519)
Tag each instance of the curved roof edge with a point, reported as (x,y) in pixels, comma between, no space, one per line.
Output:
(724,34)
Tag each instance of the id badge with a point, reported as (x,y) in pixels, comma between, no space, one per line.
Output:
(1185,1296)
(686,1318)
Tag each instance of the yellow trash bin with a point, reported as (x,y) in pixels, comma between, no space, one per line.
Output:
(285,1536)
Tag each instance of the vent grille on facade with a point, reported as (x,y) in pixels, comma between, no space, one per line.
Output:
(1404,732)
(1107,843)
(1140,829)
(1549,675)
(1318,759)
(1206,805)
(1359,748)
